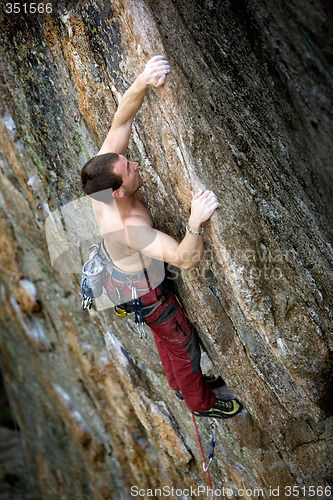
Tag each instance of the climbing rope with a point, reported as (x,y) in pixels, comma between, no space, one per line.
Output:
(211,454)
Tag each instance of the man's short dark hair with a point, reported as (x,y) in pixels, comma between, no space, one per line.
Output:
(97,176)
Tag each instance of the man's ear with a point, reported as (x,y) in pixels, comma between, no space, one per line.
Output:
(118,193)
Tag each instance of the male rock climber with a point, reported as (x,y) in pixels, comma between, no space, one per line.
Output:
(133,245)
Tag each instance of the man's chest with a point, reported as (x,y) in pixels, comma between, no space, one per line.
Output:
(139,216)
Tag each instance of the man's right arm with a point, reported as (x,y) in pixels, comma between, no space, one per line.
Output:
(154,75)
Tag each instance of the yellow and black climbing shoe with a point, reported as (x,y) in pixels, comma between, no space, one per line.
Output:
(214,381)
(222,409)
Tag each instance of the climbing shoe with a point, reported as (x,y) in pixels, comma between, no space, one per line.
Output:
(222,409)
(214,381)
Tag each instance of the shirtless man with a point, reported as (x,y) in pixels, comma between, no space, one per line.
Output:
(132,244)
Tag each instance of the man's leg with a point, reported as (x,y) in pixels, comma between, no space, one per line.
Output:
(180,354)
(166,363)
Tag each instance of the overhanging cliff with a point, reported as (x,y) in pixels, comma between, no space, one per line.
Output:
(246,112)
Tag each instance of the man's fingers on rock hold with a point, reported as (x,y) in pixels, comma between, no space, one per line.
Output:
(213,201)
(160,72)
(160,69)
(161,81)
(210,196)
(196,195)
(156,58)
(213,196)
(158,62)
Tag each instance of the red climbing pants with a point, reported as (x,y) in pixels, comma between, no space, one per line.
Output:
(179,352)
(176,343)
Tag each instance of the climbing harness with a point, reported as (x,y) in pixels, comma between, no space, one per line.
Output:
(99,271)
(205,467)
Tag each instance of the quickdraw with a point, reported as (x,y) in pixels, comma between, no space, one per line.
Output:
(212,448)
(137,309)
(211,455)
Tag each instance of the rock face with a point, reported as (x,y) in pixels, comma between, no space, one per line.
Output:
(246,112)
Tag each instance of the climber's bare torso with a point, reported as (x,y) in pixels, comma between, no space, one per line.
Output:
(124,236)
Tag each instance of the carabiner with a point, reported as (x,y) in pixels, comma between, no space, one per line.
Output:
(138,314)
(205,469)
(212,448)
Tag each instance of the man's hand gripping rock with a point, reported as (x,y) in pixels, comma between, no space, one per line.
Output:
(203,205)
(156,71)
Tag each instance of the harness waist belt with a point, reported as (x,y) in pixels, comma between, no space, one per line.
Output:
(122,276)
(149,308)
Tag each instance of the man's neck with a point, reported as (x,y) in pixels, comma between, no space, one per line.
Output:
(126,204)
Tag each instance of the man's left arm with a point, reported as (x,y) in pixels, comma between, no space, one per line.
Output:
(158,245)
(154,75)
